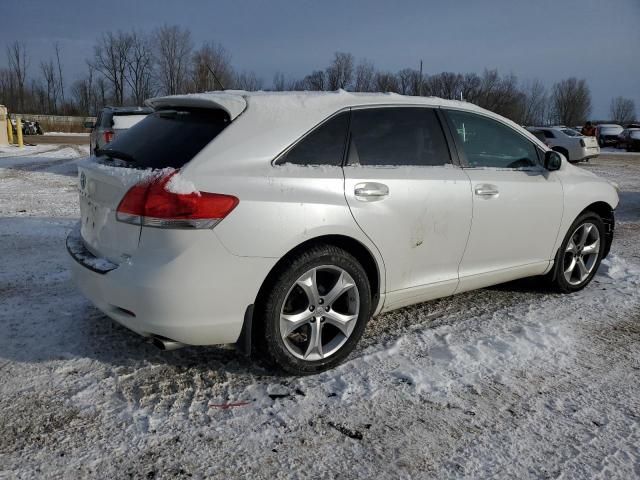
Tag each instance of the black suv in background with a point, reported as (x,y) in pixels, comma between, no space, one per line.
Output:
(111,122)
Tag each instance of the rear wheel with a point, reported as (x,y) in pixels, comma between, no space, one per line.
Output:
(314,312)
(580,254)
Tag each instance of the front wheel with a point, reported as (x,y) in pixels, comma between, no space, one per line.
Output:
(314,312)
(580,254)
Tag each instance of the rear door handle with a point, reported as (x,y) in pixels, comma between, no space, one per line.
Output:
(370,191)
(486,190)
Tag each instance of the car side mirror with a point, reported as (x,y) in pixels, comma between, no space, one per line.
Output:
(552,160)
(90,125)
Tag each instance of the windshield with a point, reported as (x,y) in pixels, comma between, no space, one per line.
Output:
(166,138)
(570,132)
(635,133)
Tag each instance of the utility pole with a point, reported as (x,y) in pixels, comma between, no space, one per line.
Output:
(420,84)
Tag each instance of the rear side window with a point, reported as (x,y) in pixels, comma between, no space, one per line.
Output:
(105,121)
(323,146)
(488,143)
(397,136)
(167,138)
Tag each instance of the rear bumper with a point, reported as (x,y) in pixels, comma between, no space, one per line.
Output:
(585,153)
(182,285)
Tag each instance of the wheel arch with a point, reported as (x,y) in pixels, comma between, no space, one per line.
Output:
(250,332)
(604,211)
(349,244)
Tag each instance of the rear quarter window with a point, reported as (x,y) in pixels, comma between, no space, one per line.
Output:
(167,138)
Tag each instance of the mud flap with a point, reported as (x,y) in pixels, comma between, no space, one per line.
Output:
(243,344)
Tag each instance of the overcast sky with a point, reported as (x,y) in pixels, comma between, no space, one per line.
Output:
(546,39)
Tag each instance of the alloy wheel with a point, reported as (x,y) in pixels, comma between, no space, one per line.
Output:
(319,313)
(581,253)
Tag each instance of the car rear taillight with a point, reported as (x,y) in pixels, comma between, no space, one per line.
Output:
(108,136)
(582,144)
(150,204)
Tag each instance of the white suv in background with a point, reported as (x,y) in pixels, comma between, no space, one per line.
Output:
(285,221)
(572,144)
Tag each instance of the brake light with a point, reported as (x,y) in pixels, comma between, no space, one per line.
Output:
(582,144)
(108,136)
(150,204)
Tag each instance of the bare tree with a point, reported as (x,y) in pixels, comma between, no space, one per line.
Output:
(101,90)
(534,102)
(316,80)
(173,54)
(279,82)
(364,76)
(571,101)
(445,85)
(409,81)
(51,92)
(212,68)
(386,82)
(139,73)
(111,57)
(623,110)
(500,94)
(60,79)
(470,87)
(17,55)
(83,92)
(340,72)
(247,81)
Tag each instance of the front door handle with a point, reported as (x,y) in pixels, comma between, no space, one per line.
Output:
(486,190)
(370,191)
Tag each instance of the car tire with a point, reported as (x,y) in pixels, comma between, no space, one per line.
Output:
(301,325)
(574,268)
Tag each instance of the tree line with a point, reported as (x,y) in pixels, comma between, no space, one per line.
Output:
(128,67)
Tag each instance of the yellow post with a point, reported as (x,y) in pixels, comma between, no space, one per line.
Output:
(9,130)
(19,131)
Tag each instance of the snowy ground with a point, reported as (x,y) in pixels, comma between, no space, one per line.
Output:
(509,382)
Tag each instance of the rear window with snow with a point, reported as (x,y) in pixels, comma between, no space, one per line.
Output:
(166,138)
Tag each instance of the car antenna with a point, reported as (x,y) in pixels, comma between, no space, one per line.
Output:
(214,76)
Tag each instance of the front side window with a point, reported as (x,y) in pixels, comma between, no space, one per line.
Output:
(488,143)
(323,146)
(397,136)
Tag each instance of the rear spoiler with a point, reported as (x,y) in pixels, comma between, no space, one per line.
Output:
(233,104)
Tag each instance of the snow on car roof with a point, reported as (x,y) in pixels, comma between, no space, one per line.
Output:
(234,102)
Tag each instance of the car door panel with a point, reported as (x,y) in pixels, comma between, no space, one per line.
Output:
(417,214)
(515,227)
(420,227)
(517,204)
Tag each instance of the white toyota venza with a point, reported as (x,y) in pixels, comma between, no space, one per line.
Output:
(284,221)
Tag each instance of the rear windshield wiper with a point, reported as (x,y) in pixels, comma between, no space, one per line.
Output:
(119,154)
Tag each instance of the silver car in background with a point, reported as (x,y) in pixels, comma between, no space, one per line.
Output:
(569,142)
